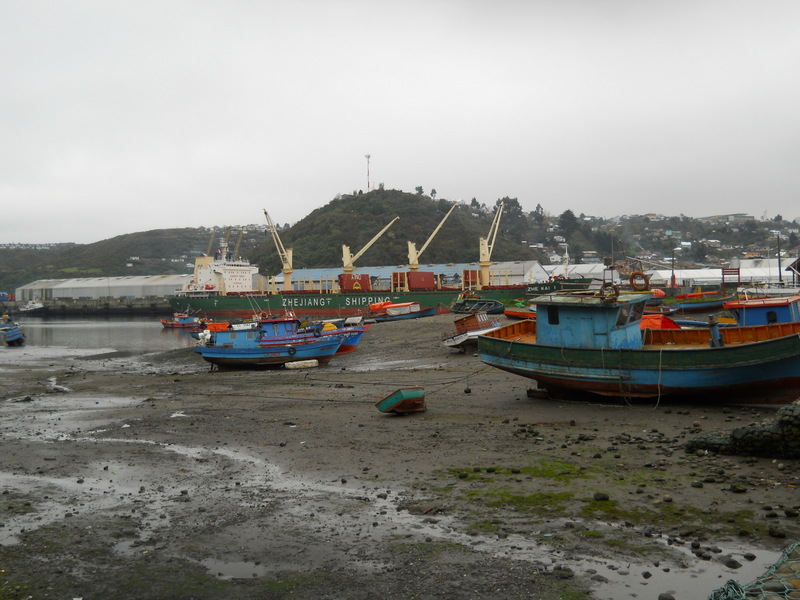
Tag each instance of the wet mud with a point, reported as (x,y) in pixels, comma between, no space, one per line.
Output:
(150,476)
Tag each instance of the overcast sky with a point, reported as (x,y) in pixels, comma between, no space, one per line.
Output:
(123,116)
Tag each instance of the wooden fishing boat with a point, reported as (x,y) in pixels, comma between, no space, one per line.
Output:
(595,345)
(746,313)
(469,302)
(468,328)
(403,400)
(765,311)
(11,333)
(275,342)
(388,311)
(520,309)
(699,301)
(182,321)
(273,355)
(659,310)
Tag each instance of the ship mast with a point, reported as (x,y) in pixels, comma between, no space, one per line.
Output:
(413,255)
(285,255)
(348,259)
(487,246)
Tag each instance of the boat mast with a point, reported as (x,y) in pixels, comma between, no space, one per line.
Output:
(487,246)
(285,255)
(348,259)
(413,255)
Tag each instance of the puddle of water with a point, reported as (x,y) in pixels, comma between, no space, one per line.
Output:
(698,580)
(59,416)
(32,355)
(393,365)
(238,570)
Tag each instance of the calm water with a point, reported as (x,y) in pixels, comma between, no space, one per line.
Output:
(136,334)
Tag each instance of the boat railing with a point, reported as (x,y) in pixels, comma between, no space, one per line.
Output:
(730,335)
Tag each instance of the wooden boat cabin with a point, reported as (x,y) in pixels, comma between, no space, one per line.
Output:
(590,321)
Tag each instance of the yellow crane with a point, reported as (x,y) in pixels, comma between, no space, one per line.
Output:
(238,243)
(285,255)
(413,254)
(348,259)
(487,245)
(211,241)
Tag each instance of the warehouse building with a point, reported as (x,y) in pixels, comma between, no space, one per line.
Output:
(163,286)
(143,286)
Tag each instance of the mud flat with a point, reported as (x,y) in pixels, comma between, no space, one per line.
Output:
(149,476)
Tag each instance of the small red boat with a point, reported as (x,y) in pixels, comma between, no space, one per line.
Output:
(181,320)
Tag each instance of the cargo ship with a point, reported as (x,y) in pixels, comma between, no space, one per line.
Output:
(222,285)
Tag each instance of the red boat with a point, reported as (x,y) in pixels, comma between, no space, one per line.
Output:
(182,321)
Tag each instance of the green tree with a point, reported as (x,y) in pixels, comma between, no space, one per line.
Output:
(513,220)
(538,215)
(419,190)
(567,223)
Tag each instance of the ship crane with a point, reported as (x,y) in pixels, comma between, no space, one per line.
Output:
(413,254)
(238,243)
(348,259)
(487,246)
(211,242)
(285,255)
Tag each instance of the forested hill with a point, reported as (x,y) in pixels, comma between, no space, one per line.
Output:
(354,220)
(316,240)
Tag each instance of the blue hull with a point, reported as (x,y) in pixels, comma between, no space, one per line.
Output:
(271,355)
(12,336)
(766,372)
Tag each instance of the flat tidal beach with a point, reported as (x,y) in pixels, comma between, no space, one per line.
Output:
(150,476)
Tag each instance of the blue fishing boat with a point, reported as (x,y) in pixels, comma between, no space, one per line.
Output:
(403,400)
(765,311)
(272,355)
(11,333)
(275,342)
(752,313)
(594,344)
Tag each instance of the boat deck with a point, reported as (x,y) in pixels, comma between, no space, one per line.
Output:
(669,339)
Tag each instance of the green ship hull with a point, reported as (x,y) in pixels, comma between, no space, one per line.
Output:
(325,304)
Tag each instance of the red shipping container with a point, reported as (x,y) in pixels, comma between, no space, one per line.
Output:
(421,280)
(349,282)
